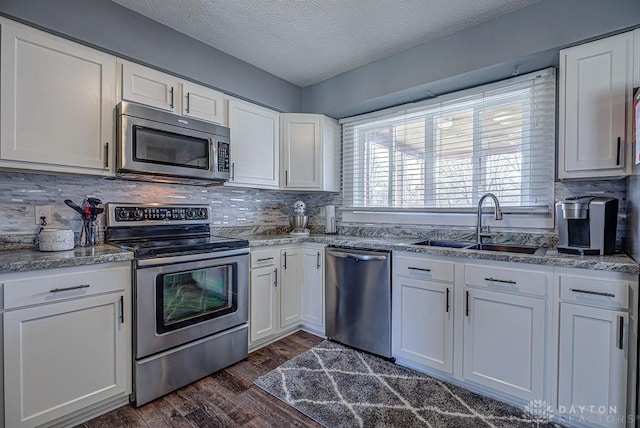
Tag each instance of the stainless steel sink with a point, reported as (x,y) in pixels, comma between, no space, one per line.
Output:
(506,248)
(501,248)
(448,244)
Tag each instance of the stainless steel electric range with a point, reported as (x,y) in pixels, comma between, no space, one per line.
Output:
(190,299)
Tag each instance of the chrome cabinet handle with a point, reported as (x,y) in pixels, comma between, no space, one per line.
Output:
(286,178)
(318,260)
(285,260)
(356,256)
(265,259)
(106,154)
(447,306)
(171,102)
(595,293)
(504,281)
(618,153)
(233,171)
(188,102)
(121,309)
(275,282)
(620,332)
(75,287)
(420,269)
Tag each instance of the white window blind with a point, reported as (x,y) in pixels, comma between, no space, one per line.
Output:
(443,154)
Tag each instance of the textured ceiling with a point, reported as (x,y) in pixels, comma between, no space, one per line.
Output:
(307,41)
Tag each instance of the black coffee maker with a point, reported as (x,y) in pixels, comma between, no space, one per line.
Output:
(587,225)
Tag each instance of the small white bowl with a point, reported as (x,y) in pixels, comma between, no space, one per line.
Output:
(56,239)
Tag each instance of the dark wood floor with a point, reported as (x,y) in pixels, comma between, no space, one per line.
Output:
(227,398)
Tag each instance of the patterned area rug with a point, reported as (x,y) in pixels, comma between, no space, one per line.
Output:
(339,387)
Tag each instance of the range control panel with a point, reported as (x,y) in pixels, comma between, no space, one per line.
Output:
(128,214)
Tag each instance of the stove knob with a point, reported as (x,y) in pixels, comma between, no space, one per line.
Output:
(190,213)
(202,213)
(122,214)
(137,214)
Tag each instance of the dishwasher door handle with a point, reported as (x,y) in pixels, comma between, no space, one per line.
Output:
(356,256)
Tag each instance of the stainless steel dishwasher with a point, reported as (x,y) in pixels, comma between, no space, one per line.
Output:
(358,298)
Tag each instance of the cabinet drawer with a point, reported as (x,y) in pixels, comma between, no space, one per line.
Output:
(419,268)
(61,284)
(264,258)
(594,291)
(512,280)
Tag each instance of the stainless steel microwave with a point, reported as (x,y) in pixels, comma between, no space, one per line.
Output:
(154,145)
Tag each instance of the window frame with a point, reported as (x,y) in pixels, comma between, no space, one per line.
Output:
(515,217)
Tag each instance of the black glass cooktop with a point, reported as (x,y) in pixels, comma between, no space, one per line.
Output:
(180,246)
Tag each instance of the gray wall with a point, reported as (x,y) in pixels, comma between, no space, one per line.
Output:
(528,39)
(113,28)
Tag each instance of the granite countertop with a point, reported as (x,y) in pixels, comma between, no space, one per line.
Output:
(613,263)
(30,259)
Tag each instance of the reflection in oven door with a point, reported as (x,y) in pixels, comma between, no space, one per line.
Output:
(182,302)
(191,319)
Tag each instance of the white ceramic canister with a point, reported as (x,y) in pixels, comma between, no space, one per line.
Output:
(56,239)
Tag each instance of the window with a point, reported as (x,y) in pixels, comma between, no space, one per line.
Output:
(443,154)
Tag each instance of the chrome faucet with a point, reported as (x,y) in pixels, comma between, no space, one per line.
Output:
(498,214)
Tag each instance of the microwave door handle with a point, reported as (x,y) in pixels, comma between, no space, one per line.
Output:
(211,154)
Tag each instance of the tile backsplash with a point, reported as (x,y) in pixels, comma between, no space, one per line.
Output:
(230,207)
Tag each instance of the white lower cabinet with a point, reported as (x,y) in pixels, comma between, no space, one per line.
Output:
(597,349)
(67,343)
(274,306)
(504,342)
(264,303)
(423,316)
(482,324)
(564,338)
(290,289)
(312,308)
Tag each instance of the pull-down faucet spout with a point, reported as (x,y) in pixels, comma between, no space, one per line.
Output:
(498,215)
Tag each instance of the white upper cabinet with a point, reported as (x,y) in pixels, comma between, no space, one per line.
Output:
(57,103)
(310,150)
(595,109)
(154,88)
(150,87)
(255,145)
(202,103)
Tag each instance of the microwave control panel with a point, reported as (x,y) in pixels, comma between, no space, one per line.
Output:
(223,156)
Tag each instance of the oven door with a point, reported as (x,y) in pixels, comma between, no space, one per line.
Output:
(151,147)
(178,302)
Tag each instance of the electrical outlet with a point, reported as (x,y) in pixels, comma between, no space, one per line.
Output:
(42,211)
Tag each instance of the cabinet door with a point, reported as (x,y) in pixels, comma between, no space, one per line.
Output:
(58,100)
(504,342)
(264,304)
(255,145)
(290,290)
(151,87)
(62,357)
(423,322)
(593,362)
(301,151)
(313,288)
(595,94)
(202,103)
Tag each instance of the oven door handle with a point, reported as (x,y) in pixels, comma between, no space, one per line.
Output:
(142,263)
